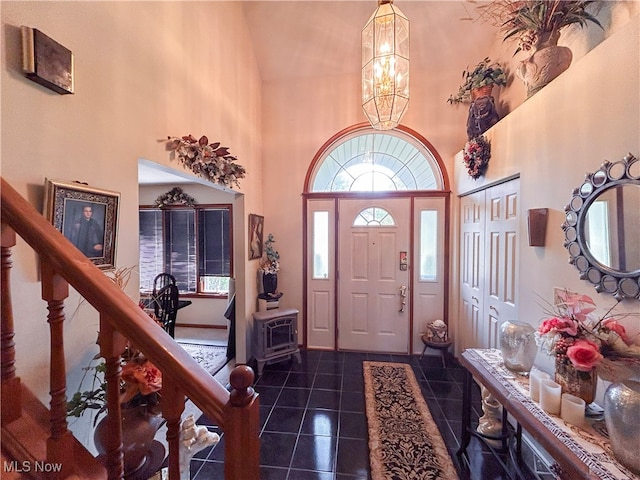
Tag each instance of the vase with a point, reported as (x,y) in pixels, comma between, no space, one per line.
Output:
(544,65)
(578,383)
(139,427)
(622,417)
(482,112)
(518,346)
(270,283)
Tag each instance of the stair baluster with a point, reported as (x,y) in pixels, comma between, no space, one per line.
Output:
(11,388)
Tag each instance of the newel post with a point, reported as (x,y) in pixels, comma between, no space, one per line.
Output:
(242,427)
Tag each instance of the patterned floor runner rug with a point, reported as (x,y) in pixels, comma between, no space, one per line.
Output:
(211,358)
(404,441)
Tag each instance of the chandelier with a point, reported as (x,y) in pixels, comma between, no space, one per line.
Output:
(385,66)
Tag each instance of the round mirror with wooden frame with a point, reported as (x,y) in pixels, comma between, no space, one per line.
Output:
(602,228)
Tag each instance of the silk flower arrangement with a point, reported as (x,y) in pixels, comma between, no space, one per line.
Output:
(207,160)
(573,334)
(476,155)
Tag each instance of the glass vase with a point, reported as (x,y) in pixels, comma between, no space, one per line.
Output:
(622,417)
(518,346)
(578,383)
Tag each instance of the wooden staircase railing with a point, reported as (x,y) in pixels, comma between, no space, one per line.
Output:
(61,265)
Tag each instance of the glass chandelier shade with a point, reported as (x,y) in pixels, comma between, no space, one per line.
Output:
(385,66)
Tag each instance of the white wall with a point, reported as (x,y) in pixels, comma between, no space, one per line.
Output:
(143,71)
(564,131)
(301,114)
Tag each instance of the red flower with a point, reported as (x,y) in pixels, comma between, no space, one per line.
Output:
(584,355)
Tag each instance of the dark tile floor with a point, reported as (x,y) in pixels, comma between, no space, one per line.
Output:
(313,424)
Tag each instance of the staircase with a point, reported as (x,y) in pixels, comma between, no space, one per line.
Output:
(36,442)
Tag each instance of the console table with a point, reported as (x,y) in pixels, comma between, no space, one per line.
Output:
(581,453)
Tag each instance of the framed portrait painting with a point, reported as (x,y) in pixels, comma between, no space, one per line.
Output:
(256,226)
(87,217)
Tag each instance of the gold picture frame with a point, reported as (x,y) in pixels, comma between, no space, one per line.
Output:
(86,216)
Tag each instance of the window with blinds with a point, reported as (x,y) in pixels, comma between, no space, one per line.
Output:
(192,244)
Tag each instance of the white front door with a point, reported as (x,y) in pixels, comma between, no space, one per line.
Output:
(374,238)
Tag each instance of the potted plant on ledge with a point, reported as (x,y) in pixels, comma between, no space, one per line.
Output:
(535,26)
(479,81)
(476,88)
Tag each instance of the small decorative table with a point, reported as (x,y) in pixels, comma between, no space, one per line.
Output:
(442,346)
(581,453)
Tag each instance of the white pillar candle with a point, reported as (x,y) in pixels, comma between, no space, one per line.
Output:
(572,409)
(550,396)
(535,378)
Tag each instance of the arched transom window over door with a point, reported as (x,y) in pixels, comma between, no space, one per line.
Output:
(376,207)
(368,160)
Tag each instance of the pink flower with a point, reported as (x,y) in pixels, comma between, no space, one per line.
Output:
(579,306)
(584,355)
(562,324)
(140,377)
(617,328)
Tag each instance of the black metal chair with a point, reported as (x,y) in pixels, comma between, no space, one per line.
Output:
(161,281)
(165,307)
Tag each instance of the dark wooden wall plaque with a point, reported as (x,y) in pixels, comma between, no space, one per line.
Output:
(46,62)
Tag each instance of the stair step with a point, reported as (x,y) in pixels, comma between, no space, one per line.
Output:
(24,442)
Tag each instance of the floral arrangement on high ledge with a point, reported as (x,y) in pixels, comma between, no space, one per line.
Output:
(577,337)
(270,263)
(207,160)
(175,195)
(532,23)
(476,155)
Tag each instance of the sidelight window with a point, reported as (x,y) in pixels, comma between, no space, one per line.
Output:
(428,245)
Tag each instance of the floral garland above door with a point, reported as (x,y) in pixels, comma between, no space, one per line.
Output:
(207,160)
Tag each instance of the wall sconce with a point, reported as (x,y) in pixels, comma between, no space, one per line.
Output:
(537,221)
(385,66)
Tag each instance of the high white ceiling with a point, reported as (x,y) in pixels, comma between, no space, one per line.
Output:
(307,37)
(304,38)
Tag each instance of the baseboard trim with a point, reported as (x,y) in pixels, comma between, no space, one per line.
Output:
(197,325)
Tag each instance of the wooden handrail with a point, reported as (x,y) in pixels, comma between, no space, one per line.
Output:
(106,297)
(182,372)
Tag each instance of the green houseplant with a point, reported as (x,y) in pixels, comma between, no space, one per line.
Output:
(535,23)
(485,74)
(535,26)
